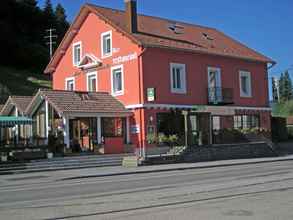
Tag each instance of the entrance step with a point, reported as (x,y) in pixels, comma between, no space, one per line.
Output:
(74,162)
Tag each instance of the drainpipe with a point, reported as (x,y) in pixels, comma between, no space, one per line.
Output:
(140,80)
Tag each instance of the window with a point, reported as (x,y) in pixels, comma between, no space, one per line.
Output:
(106,44)
(117,80)
(69,84)
(214,85)
(76,53)
(113,127)
(216,123)
(178,78)
(92,82)
(245,84)
(246,121)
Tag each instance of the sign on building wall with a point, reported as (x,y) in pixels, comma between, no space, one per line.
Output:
(123,59)
(134,129)
(151,94)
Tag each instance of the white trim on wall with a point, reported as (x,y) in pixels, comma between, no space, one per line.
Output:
(80,56)
(248,75)
(182,78)
(121,92)
(69,79)
(173,106)
(94,73)
(102,44)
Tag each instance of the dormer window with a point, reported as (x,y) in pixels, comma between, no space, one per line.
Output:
(176,28)
(106,44)
(76,53)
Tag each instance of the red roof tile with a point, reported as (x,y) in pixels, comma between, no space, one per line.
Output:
(80,102)
(21,102)
(155,32)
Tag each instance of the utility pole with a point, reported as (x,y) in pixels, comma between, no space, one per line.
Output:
(51,39)
(275,89)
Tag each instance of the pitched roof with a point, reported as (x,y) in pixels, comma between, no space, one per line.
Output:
(1,106)
(156,32)
(21,102)
(79,102)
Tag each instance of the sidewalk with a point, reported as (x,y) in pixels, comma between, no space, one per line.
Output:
(116,171)
(86,173)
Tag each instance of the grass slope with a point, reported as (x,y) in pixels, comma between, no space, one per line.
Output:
(20,82)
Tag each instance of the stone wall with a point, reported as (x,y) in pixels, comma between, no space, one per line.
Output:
(228,151)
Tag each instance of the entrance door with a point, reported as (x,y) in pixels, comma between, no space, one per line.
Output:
(83,134)
(214,85)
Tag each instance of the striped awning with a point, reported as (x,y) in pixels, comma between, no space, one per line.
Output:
(10,121)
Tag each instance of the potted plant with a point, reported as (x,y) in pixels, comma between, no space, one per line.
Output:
(4,157)
(51,146)
(162,139)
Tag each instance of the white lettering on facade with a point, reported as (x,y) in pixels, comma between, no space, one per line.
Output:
(123,59)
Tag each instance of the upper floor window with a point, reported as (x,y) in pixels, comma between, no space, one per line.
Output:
(117,80)
(92,82)
(76,53)
(70,84)
(245,84)
(178,78)
(106,44)
(214,85)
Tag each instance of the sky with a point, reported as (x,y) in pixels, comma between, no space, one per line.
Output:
(263,25)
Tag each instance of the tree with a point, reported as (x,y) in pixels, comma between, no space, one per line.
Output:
(23,27)
(49,15)
(285,87)
(62,24)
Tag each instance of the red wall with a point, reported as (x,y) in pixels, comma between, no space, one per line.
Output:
(152,69)
(90,36)
(156,69)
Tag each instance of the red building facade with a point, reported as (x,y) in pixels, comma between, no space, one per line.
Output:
(156,66)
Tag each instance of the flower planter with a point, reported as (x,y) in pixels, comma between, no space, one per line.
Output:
(50,155)
(4,158)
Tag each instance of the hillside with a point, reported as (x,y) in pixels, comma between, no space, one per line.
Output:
(20,82)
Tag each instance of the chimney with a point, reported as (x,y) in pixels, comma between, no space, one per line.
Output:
(131,15)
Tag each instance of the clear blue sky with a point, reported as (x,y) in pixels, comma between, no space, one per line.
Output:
(264,25)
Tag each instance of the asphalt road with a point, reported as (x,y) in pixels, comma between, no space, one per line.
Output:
(255,191)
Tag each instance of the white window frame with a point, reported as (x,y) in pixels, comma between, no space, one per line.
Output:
(88,75)
(66,82)
(102,44)
(248,75)
(182,78)
(215,94)
(121,92)
(219,79)
(73,52)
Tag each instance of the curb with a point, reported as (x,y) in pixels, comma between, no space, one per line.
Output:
(175,169)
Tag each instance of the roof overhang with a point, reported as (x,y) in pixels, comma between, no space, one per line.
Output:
(11,121)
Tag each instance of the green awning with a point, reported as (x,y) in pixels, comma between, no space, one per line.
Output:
(10,121)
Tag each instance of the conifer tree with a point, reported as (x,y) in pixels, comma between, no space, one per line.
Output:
(285,87)
(61,23)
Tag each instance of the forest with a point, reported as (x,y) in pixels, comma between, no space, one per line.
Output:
(23,26)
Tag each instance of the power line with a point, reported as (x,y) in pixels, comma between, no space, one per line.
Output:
(51,37)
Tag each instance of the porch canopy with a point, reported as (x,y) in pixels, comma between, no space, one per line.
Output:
(11,121)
